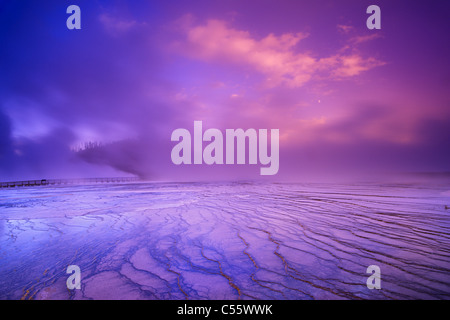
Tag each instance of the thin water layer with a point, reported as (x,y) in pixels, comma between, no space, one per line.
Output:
(225,241)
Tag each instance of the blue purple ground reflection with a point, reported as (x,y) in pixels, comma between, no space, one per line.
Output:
(225,241)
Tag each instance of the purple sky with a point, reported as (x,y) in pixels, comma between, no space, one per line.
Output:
(346,99)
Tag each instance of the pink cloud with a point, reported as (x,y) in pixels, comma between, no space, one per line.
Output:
(345,28)
(286,64)
(280,59)
(354,64)
(364,38)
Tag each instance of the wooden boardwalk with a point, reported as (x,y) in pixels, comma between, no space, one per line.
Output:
(49,182)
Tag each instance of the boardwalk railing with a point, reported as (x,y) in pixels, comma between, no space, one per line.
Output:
(48,182)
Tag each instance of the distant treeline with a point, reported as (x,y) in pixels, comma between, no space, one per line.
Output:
(89,145)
